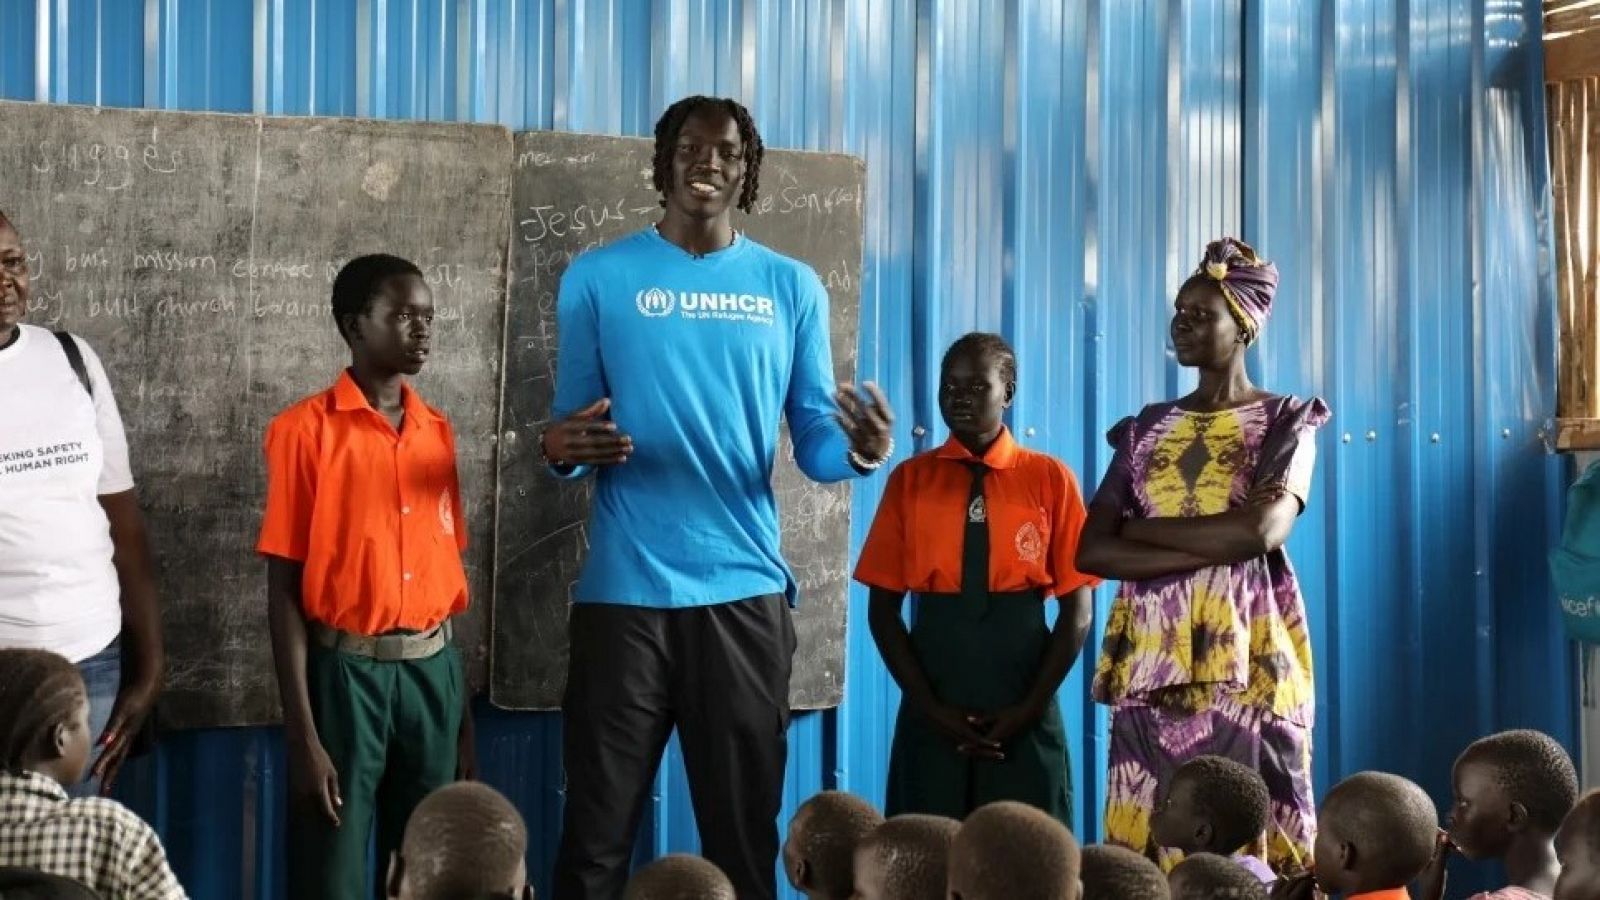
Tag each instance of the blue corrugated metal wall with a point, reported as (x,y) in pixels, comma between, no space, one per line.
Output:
(1048,168)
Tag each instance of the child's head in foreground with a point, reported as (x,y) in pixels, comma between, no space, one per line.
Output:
(819,852)
(464,840)
(1012,851)
(1211,805)
(1515,785)
(679,877)
(1578,849)
(1376,831)
(905,858)
(44,716)
(1117,873)
(1207,876)
(28,884)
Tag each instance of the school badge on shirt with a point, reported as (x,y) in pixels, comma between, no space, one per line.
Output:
(977,512)
(447,517)
(1030,543)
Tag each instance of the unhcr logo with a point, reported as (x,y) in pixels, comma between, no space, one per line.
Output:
(655,302)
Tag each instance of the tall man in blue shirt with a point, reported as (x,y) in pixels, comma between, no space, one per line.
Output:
(680,348)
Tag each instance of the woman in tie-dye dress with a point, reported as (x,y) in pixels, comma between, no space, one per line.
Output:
(1206,650)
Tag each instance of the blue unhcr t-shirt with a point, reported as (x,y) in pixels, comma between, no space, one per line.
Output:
(700,356)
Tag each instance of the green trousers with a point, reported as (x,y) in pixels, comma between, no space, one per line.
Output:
(983,658)
(390,729)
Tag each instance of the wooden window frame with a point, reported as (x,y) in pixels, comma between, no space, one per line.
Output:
(1572,85)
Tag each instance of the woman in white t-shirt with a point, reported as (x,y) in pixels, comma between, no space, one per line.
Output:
(75,570)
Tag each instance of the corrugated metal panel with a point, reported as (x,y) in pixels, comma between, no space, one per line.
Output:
(1514,385)
(1047,168)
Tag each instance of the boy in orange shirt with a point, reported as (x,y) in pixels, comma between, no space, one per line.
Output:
(1376,834)
(982,531)
(363,536)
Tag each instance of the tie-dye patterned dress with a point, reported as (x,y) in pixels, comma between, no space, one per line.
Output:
(1218,660)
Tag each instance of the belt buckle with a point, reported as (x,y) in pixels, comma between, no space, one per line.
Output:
(389,648)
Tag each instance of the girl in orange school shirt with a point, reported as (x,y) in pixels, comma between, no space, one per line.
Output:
(982,531)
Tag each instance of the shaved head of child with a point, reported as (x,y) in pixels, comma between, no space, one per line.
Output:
(1012,851)
(1377,832)
(905,858)
(1117,873)
(1578,849)
(1510,786)
(1211,805)
(679,877)
(464,840)
(819,853)
(1207,876)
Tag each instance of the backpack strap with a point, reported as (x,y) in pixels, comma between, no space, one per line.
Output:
(75,359)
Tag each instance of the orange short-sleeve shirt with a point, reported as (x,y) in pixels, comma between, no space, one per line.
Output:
(1035,513)
(373,514)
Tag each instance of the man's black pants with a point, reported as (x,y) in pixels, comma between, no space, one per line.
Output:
(721,675)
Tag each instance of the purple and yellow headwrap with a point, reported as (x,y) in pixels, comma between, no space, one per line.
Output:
(1247,282)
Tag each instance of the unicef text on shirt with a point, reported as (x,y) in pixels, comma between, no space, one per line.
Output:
(1581,607)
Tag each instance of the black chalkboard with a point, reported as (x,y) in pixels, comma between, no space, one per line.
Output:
(573,192)
(195,253)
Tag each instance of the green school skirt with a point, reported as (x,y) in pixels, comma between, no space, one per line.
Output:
(981,660)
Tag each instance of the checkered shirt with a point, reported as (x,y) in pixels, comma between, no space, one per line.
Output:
(97,842)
